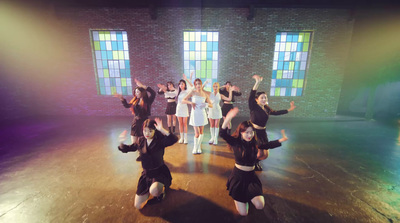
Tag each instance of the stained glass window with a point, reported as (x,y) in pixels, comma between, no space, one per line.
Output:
(111,62)
(200,56)
(290,63)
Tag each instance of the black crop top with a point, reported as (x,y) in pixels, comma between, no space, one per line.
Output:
(154,156)
(259,116)
(245,152)
(225,93)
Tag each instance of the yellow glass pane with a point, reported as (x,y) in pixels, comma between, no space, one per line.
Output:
(115,55)
(291,65)
(288,45)
(203,46)
(121,54)
(107,35)
(192,55)
(203,56)
(185,36)
(123,82)
(113,90)
(101,36)
(203,65)
(307,37)
(301,37)
(191,36)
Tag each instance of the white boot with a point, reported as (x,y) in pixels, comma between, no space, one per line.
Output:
(181,138)
(199,143)
(185,138)
(195,144)
(216,136)
(212,135)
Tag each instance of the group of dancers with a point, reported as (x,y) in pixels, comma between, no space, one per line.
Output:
(249,142)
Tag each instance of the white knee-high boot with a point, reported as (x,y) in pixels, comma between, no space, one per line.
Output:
(199,143)
(216,136)
(195,144)
(185,138)
(181,138)
(212,132)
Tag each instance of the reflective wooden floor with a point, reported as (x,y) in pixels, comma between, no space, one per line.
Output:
(68,169)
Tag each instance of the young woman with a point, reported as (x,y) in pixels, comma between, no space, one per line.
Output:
(170,93)
(259,114)
(243,184)
(156,177)
(140,106)
(228,104)
(182,111)
(215,113)
(198,117)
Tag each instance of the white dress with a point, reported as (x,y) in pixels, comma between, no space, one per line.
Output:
(198,116)
(215,112)
(182,109)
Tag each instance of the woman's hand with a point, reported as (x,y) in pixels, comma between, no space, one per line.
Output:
(118,96)
(257,78)
(292,106)
(158,124)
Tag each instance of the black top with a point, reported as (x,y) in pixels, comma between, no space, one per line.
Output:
(245,152)
(224,92)
(140,112)
(258,115)
(153,154)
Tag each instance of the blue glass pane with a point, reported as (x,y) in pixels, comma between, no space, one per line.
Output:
(102,91)
(127,64)
(293,56)
(128,72)
(109,55)
(300,47)
(278,38)
(209,55)
(296,75)
(297,65)
(209,46)
(192,46)
(280,65)
(289,38)
(114,45)
(204,38)
(274,74)
(288,91)
(286,65)
(101,82)
(299,91)
(105,64)
(295,38)
(122,72)
(278,83)
(120,45)
(289,83)
(119,36)
(283,82)
(104,54)
(302,73)
(192,64)
(124,91)
(281,56)
(103,45)
(215,46)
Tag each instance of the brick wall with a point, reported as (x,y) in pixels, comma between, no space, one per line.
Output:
(156,46)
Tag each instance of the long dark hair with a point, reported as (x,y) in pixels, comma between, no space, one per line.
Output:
(265,106)
(237,134)
(170,82)
(179,90)
(142,103)
(151,124)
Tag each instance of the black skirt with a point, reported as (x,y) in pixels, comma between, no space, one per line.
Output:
(226,108)
(137,126)
(171,108)
(262,138)
(243,185)
(148,177)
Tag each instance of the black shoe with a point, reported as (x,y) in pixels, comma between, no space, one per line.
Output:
(258,166)
(139,159)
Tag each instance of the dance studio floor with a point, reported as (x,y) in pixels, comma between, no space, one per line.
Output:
(68,169)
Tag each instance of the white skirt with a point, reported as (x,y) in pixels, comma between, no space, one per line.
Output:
(182,110)
(215,112)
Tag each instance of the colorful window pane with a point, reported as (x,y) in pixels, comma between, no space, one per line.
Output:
(200,56)
(290,63)
(111,62)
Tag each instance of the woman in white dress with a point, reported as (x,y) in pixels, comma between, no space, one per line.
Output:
(182,111)
(215,113)
(198,116)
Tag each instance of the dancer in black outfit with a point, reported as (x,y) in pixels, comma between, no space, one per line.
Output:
(170,94)
(140,106)
(243,184)
(259,114)
(228,104)
(156,177)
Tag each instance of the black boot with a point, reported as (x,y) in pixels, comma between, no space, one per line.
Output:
(139,159)
(229,131)
(258,166)
(169,127)
(173,129)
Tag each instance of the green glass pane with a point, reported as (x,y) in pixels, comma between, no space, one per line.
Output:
(300,84)
(185,36)
(291,65)
(277,91)
(115,55)
(294,84)
(192,55)
(209,74)
(121,55)
(113,90)
(305,47)
(279,74)
(123,82)
(209,64)
(203,73)
(105,72)
(96,45)
(307,37)
(203,65)
(288,45)
(301,37)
